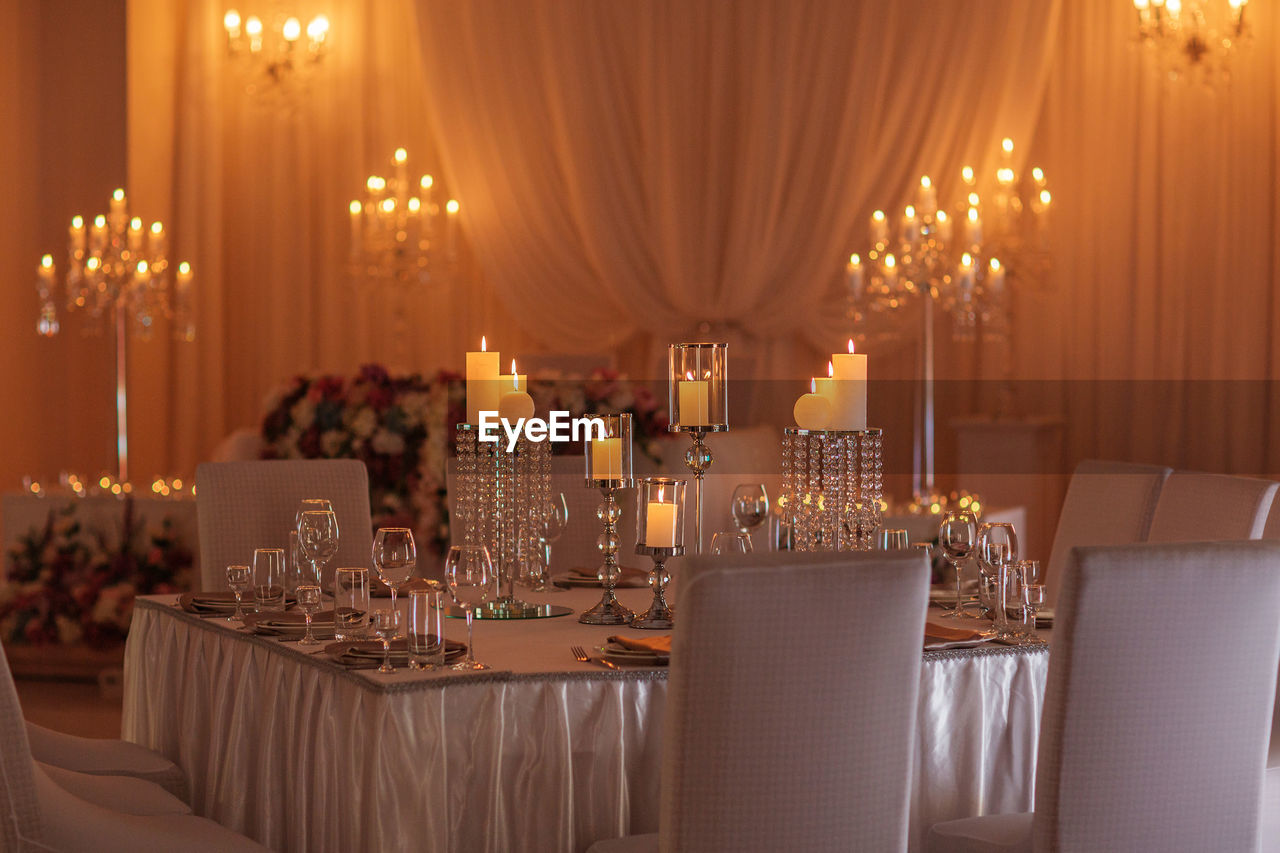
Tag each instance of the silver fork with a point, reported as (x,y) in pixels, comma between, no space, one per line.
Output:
(580,654)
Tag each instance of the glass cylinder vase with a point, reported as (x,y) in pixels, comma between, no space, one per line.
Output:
(698,387)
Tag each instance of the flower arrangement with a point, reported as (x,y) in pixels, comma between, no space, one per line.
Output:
(67,584)
(402,429)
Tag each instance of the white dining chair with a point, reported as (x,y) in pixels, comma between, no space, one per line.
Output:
(105,757)
(1200,507)
(43,807)
(1154,733)
(791,706)
(1107,503)
(246,505)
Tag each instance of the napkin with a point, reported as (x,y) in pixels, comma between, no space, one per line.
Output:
(660,645)
(627,574)
(938,636)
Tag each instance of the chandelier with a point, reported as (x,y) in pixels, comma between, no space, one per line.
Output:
(1193,37)
(278,54)
(400,233)
(959,260)
(120,272)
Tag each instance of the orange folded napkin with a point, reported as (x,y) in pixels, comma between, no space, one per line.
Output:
(951,633)
(660,645)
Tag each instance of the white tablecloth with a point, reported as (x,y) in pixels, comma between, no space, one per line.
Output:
(542,754)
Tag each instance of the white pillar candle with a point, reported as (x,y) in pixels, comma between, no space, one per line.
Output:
(910,225)
(606,459)
(135,235)
(46,271)
(890,271)
(76,233)
(995,277)
(514,405)
(98,235)
(156,244)
(973,228)
(854,273)
(822,385)
(660,525)
(879,228)
(355,209)
(482,383)
(944,227)
(850,390)
(513,381)
(927,199)
(695,402)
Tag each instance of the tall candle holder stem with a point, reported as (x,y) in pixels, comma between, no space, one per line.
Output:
(698,458)
(608,610)
(659,616)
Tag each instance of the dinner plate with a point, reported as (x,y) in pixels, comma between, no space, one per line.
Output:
(218,603)
(633,657)
(291,625)
(570,579)
(367,654)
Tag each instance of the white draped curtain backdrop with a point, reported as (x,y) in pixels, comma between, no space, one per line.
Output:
(632,172)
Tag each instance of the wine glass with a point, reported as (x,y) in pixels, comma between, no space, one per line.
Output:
(268,578)
(1033,598)
(998,549)
(318,538)
(728,542)
(750,506)
(469,573)
(319,505)
(958,536)
(386,624)
(308,602)
(239,579)
(394,557)
(555,520)
(891,539)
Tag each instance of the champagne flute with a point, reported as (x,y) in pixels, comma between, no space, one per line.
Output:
(469,573)
(239,579)
(386,624)
(958,536)
(308,602)
(1033,598)
(318,538)
(394,557)
(998,547)
(750,506)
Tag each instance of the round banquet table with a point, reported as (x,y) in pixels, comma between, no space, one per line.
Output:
(542,753)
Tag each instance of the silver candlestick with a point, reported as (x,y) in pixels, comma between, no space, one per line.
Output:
(608,468)
(660,536)
(659,616)
(698,400)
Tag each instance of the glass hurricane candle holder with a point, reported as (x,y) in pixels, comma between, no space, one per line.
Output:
(698,400)
(608,468)
(660,536)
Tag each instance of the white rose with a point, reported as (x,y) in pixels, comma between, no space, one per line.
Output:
(331,442)
(303,413)
(387,443)
(364,423)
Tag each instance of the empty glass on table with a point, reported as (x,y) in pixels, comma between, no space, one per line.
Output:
(998,550)
(750,507)
(350,603)
(555,520)
(309,603)
(1033,598)
(728,542)
(395,556)
(386,624)
(296,551)
(239,578)
(424,636)
(958,536)
(318,538)
(268,578)
(469,573)
(891,539)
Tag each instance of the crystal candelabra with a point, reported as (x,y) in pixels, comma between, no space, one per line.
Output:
(502,504)
(959,263)
(279,54)
(400,234)
(118,270)
(609,469)
(1193,38)
(832,482)
(698,400)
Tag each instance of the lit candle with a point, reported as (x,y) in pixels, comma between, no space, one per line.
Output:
(142,274)
(135,235)
(812,410)
(853,272)
(890,271)
(944,227)
(356,209)
(606,459)
(46,271)
(964,274)
(1042,214)
(660,523)
(879,229)
(402,173)
(292,31)
(118,202)
(973,229)
(927,200)
(231,21)
(425,185)
(513,381)
(156,243)
(98,234)
(966,175)
(695,401)
(849,390)
(451,227)
(253,29)
(316,31)
(995,277)
(515,405)
(76,234)
(910,232)
(482,382)
(823,386)
(184,277)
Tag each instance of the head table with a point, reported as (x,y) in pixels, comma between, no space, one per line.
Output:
(542,753)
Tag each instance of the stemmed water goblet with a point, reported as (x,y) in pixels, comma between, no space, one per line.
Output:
(308,602)
(750,506)
(469,573)
(386,624)
(998,550)
(394,557)
(555,520)
(958,535)
(239,579)
(318,505)
(728,542)
(318,538)
(1033,598)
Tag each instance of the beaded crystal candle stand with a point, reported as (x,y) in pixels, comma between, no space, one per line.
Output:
(609,469)
(501,504)
(660,536)
(833,483)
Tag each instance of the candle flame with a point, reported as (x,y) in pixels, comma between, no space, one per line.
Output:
(77,221)
(483,348)
(184,268)
(706,374)
(451,206)
(967,174)
(688,375)
(156,227)
(118,195)
(942,216)
(388,204)
(995,265)
(415,204)
(1007,145)
(99,221)
(1037,173)
(973,199)
(354,207)
(513,367)
(1045,198)
(910,211)
(813,386)
(660,489)
(925,183)
(135,224)
(890,261)
(966,260)
(426,182)
(855,260)
(47,262)
(973,214)
(878,216)
(142,266)
(831,370)
(850,346)
(401,155)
